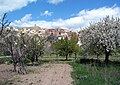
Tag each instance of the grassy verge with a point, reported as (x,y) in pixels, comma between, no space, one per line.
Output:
(5,60)
(90,74)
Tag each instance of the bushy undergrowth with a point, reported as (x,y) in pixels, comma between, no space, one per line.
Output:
(5,60)
(92,74)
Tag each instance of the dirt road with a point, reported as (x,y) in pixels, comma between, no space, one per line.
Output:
(47,74)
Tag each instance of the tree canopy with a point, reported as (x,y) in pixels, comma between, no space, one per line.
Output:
(67,46)
(103,36)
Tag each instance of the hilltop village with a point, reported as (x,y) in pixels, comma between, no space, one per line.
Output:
(57,33)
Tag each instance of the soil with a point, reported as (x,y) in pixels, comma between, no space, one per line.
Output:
(46,74)
(6,73)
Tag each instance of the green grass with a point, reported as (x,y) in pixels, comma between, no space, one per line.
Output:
(90,74)
(56,56)
(5,60)
(112,57)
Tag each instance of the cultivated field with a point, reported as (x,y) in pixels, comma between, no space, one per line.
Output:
(45,74)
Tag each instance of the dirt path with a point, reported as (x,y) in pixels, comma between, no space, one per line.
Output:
(47,74)
(6,73)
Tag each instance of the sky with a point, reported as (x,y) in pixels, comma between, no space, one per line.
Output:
(67,14)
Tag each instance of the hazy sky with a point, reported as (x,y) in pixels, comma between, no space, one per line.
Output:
(68,14)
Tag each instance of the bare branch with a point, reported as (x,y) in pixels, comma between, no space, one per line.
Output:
(4,23)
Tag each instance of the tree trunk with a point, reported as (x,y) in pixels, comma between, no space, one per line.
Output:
(14,64)
(107,53)
(21,69)
(75,56)
(36,58)
(14,61)
(66,56)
